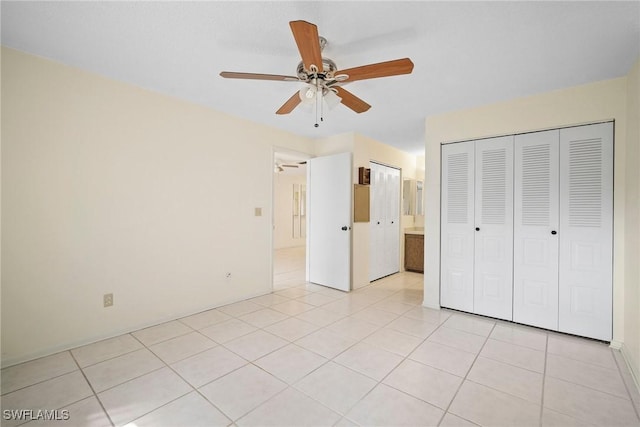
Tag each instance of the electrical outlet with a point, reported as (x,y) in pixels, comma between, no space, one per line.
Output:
(107,299)
(228,275)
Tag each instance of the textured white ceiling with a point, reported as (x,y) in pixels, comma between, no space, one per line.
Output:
(465,53)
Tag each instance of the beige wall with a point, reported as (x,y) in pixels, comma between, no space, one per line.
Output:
(283,210)
(577,105)
(631,347)
(110,188)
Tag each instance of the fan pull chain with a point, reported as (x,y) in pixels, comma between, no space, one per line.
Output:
(321,106)
(317,125)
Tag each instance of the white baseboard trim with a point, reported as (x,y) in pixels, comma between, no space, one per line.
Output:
(635,375)
(430,305)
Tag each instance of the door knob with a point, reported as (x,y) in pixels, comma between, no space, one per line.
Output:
(391,222)
(345,228)
(554,232)
(477,228)
(378,222)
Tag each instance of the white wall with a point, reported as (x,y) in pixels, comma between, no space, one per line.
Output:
(631,347)
(110,188)
(283,210)
(577,105)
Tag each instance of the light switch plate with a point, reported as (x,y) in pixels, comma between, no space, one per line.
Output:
(258,211)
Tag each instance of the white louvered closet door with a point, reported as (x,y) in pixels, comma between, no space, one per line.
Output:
(535,244)
(457,226)
(586,222)
(493,281)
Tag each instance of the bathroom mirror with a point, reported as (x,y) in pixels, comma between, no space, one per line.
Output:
(412,196)
(299,211)
(296,211)
(419,210)
(303,211)
(408,201)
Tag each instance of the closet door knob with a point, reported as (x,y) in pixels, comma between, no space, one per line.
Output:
(477,228)
(378,222)
(554,232)
(391,222)
(345,228)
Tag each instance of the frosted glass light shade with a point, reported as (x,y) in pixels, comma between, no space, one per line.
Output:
(332,99)
(307,94)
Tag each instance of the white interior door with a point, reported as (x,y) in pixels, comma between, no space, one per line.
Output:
(391,256)
(457,226)
(384,247)
(535,245)
(377,221)
(493,280)
(586,230)
(329,189)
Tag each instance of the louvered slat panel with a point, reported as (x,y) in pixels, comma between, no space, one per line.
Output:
(458,187)
(585,183)
(493,186)
(536,173)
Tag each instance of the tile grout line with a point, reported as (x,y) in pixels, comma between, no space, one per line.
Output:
(615,359)
(314,370)
(544,378)
(446,411)
(516,366)
(320,328)
(616,396)
(328,360)
(39,382)
(576,384)
(110,358)
(389,373)
(216,344)
(93,390)
(155,370)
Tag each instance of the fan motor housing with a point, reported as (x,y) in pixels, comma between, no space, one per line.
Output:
(328,68)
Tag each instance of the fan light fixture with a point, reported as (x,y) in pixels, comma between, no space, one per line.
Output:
(308,94)
(314,94)
(332,99)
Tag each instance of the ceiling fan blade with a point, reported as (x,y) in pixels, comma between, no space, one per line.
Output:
(291,103)
(254,76)
(381,69)
(308,41)
(352,101)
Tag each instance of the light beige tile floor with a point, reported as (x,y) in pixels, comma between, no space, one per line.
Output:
(309,355)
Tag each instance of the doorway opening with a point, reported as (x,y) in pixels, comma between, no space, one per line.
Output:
(289,218)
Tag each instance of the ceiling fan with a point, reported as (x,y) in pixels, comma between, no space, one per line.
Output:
(280,166)
(323,78)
